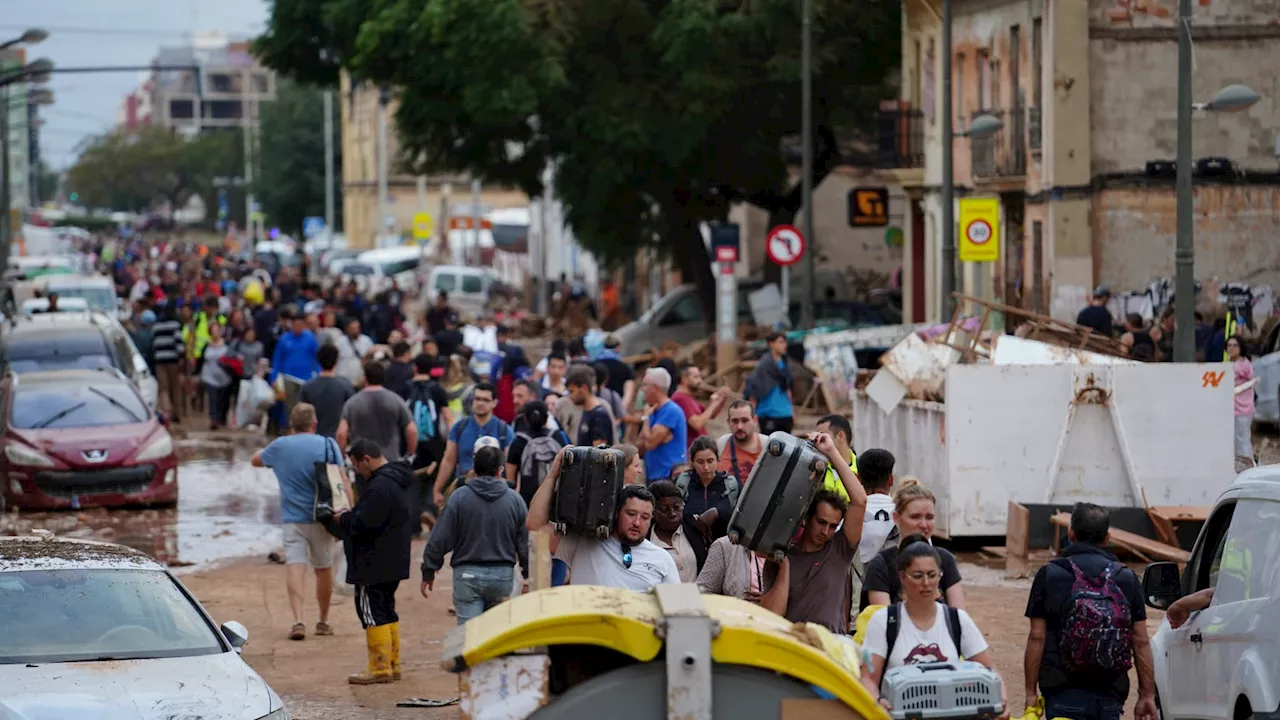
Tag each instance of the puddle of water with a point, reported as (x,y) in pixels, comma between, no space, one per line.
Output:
(226,508)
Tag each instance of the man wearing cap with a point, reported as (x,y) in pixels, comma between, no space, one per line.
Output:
(1095,315)
(448,339)
(459,453)
(622,379)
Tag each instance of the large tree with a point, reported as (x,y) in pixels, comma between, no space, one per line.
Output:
(291,163)
(657,114)
(130,169)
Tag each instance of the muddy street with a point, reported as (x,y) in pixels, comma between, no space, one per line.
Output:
(226,509)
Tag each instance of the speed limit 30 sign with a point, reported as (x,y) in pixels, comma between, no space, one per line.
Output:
(979,229)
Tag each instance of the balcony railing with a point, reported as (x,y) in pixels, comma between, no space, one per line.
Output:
(1033,129)
(901,138)
(1004,153)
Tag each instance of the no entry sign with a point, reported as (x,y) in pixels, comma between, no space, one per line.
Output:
(785,245)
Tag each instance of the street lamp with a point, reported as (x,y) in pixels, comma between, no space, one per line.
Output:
(30,37)
(982,126)
(1232,98)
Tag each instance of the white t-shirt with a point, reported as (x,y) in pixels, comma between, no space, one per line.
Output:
(915,646)
(599,562)
(351,356)
(876,526)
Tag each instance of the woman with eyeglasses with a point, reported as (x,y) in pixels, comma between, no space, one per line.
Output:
(919,629)
(914,514)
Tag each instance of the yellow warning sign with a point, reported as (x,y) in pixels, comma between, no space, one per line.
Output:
(979,229)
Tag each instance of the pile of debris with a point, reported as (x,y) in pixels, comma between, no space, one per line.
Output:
(916,367)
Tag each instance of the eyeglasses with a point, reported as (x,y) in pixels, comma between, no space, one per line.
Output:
(475,399)
(931,576)
(626,557)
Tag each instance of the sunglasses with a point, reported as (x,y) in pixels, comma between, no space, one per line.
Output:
(626,557)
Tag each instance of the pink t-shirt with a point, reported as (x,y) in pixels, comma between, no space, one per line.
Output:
(1244,373)
(690,407)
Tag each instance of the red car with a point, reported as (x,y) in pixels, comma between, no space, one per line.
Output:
(83,438)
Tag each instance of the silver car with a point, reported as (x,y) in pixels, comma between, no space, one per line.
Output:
(96,630)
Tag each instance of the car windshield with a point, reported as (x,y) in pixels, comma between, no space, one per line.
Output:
(57,406)
(358,269)
(99,298)
(60,351)
(83,615)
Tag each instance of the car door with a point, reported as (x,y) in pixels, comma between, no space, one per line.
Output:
(1188,686)
(1235,630)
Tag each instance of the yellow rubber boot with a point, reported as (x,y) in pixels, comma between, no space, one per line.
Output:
(395,650)
(378,640)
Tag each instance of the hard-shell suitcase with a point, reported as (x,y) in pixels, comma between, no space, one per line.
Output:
(587,492)
(777,495)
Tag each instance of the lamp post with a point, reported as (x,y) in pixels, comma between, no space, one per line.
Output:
(1233,98)
(980,127)
(806,169)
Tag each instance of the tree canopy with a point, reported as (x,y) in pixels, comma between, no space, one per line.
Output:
(291,157)
(656,114)
(129,169)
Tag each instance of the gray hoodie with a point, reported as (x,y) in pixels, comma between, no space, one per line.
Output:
(482,524)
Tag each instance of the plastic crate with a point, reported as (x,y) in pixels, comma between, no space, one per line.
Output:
(942,690)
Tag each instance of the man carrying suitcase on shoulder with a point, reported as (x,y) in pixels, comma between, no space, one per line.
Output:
(626,559)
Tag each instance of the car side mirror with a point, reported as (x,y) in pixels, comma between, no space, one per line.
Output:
(1161,585)
(236,634)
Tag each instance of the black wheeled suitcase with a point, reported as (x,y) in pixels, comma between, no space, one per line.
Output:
(777,495)
(587,492)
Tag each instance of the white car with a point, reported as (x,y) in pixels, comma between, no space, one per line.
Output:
(96,630)
(1224,662)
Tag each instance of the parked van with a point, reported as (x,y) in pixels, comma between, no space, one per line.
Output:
(1224,662)
(468,287)
(97,290)
(397,263)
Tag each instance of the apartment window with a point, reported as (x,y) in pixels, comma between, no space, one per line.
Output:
(957,90)
(916,57)
(1037,266)
(1037,61)
(221,83)
(984,80)
(1015,62)
(181,109)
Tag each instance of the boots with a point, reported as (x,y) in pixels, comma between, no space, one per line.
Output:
(378,640)
(395,650)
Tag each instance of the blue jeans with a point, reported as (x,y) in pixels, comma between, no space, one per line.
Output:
(477,588)
(1077,704)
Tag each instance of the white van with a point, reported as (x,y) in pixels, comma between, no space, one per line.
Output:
(468,287)
(97,290)
(397,263)
(1224,662)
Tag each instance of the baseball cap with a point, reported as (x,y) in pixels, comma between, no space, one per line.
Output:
(485,441)
(612,341)
(1102,291)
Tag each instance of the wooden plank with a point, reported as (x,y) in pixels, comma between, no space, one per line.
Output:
(1163,527)
(540,575)
(1017,541)
(1183,513)
(999,553)
(1140,545)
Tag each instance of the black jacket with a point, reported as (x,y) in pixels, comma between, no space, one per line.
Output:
(378,530)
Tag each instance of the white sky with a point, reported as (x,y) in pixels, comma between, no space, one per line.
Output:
(110,32)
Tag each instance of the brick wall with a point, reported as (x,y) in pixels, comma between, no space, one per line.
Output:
(1237,234)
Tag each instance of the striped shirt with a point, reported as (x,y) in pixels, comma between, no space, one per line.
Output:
(167,343)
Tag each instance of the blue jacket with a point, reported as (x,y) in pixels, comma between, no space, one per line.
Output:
(296,355)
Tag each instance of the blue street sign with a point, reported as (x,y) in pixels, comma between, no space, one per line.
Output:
(312,226)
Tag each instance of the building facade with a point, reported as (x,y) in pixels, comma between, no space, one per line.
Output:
(407,195)
(18,120)
(1082,166)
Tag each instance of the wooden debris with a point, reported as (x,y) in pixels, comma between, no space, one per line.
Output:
(1144,548)
(1016,541)
(1164,517)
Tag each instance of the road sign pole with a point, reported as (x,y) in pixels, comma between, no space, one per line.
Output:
(727,317)
(786,294)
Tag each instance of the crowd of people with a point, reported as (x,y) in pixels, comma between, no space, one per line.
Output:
(469,444)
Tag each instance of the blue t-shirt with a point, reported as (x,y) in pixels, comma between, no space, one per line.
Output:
(294,458)
(659,461)
(466,431)
(776,404)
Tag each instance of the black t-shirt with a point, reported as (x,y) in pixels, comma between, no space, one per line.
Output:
(1097,318)
(448,341)
(882,575)
(619,374)
(436,317)
(399,378)
(596,426)
(1050,591)
(328,395)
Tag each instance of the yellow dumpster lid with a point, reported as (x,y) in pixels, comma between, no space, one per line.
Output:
(627,621)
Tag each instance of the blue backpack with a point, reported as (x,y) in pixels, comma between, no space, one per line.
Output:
(426,416)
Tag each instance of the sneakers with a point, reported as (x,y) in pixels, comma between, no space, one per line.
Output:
(299,632)
(322,628)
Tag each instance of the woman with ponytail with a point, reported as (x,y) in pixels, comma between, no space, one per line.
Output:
(914,514)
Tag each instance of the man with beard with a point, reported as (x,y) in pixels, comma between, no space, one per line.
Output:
(626,559)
